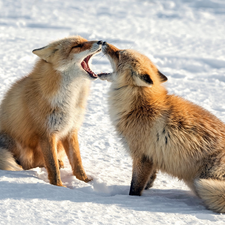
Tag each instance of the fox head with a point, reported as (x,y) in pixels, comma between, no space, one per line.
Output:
(131,68)
(70,53)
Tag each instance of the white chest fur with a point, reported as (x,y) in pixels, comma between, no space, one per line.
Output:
(66,111)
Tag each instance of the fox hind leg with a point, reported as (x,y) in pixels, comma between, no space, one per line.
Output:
(61,164)
(151,180)
(60,154)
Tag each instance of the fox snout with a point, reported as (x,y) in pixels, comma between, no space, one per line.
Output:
(104,46)
(100,42)
(111,51)
(108,46)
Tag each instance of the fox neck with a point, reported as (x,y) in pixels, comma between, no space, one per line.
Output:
(126,99)
(58,87)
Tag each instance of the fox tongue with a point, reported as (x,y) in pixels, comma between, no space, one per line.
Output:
(84,65)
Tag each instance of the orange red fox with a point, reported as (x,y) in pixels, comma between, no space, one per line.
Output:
(164,132)
(41,114)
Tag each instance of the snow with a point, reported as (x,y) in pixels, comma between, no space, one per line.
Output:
(185,39)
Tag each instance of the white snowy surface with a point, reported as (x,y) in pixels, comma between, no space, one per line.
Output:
(185,39)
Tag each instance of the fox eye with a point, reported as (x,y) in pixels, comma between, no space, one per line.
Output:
(78,46)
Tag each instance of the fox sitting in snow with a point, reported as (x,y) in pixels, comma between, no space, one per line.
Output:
(41,114)
(164,132)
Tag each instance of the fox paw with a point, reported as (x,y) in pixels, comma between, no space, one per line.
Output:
(88,179)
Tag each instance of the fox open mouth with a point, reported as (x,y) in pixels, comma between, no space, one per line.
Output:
(86,67)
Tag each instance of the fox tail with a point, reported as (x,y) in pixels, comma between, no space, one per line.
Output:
(212,192)
(7,161)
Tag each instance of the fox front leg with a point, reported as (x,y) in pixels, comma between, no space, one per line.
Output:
(142,170)
(72,149)
(48,147)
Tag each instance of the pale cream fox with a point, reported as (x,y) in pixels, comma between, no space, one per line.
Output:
(164,132)
(41,114)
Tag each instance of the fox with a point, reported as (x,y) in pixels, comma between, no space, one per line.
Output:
(164,132)
(40,115)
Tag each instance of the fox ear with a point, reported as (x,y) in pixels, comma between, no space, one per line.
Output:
(146,78)
(45,52)
(162,77)
(143,80)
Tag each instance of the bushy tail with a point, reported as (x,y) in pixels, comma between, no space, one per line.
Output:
(7,162)
(212,193)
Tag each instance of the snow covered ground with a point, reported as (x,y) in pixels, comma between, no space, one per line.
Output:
(186,40)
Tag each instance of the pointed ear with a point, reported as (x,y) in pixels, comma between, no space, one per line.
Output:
(45,52)
(143,80)
(162,77)
(146,78)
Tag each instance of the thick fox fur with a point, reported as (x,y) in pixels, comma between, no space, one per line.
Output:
(164,132)
(41,114)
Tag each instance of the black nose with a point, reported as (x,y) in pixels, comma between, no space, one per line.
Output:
(99,42)
(104,43)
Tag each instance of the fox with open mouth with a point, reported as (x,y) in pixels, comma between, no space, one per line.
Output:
(164,132)
(41,114)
